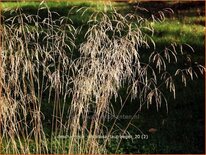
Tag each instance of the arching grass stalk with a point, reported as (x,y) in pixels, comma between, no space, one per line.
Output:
(109,60)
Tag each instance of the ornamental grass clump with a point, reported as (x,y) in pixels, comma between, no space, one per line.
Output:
(38,66)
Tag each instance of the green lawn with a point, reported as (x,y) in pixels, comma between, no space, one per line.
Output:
(190,28)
